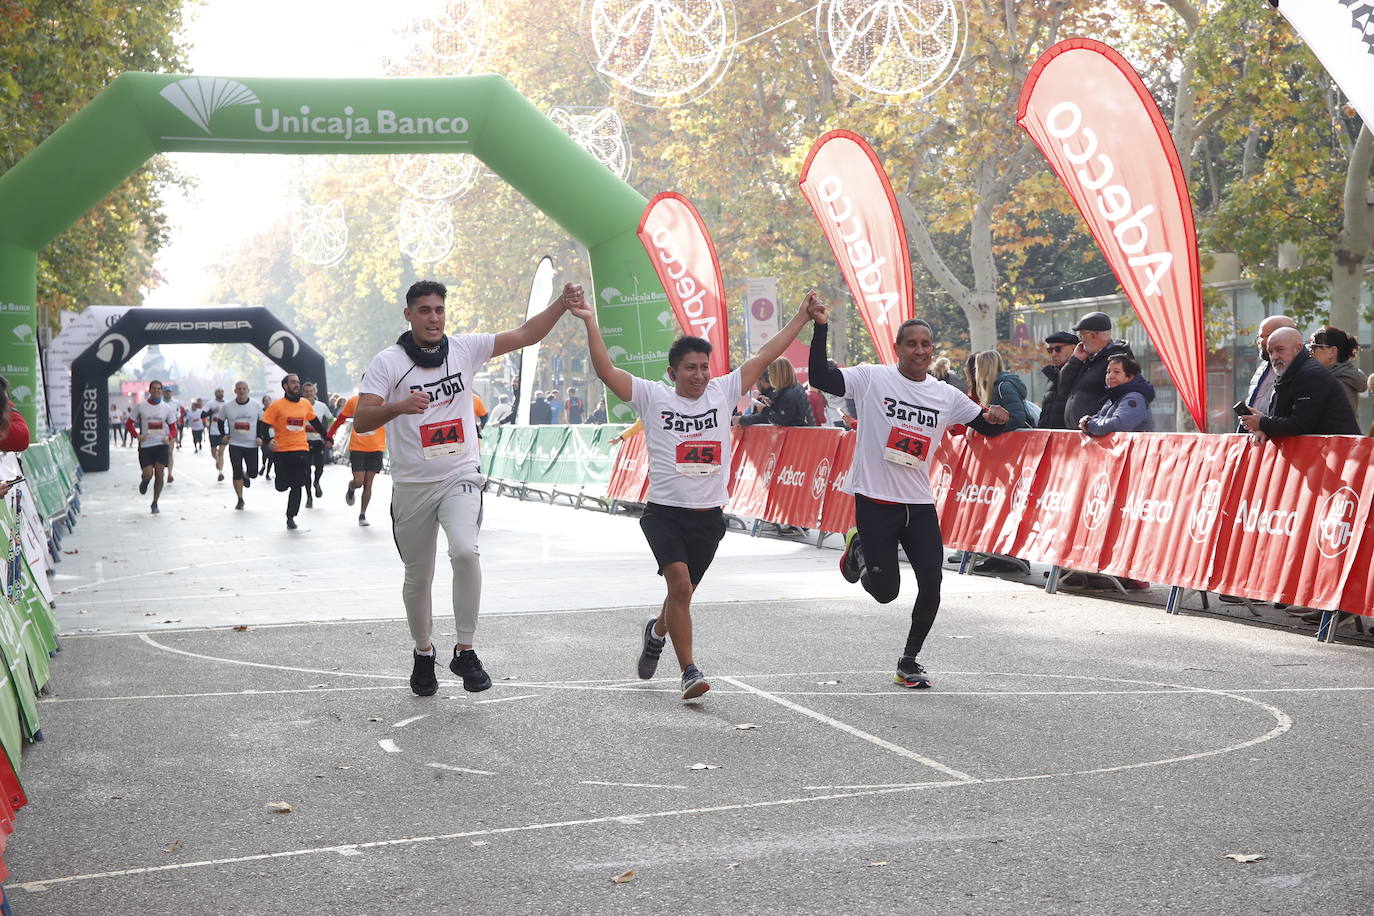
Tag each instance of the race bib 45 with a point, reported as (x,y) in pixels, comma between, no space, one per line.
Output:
(698,459)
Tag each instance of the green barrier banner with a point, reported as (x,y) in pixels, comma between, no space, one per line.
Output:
(570,456)
(142,114)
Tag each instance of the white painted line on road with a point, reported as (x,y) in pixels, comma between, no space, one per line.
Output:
(851,730)
(389,746)
(449,766)
(404,722)
(628,785)
(523,696)
(234,661)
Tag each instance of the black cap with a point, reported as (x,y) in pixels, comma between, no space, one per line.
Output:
(1062,337)
(1094,321)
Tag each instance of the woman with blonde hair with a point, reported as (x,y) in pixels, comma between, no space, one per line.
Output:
(782,402)
(991,384)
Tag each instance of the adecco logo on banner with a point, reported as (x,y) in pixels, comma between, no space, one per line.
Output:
(200,98)
(1095,501)
(1336,522)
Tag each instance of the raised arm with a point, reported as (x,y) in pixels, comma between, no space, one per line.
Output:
(538,327)
(820,374)
(618,380)
(777,344)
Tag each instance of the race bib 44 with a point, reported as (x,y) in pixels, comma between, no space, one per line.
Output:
(443,438)
(906,447)
(698,459)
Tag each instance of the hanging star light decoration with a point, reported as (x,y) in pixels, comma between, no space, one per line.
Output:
(599,131)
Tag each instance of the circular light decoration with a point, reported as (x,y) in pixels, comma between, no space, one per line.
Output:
(893,52)
(319,234)
(662,52)
(434,176)
(600,132)
(424,230)
(458,34)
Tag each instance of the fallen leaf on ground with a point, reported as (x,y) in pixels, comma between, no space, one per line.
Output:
(172,846)
(1244,857)
(315,686)
(704,766)
(479,842)
(825,683)
(732,865)
(745,726)
(875,865)
(240,628)
(70,552)
(374,718)
(279,807)
(625,878)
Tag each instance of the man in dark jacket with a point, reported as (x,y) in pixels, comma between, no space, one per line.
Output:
(1308,400)
(1058,346)
(1083,380)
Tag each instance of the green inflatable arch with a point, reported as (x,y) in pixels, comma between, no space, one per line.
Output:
(142,114)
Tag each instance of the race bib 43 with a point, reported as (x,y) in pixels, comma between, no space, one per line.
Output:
(906,447)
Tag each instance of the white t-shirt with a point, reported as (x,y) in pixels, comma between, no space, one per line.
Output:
(215,418)
(324,416)
(441,442)
(242,422)
(688,441)
(153,422)
(901,423)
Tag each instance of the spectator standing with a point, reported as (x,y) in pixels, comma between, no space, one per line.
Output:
(993,385)
(1261,388)
(555,407)
(502,412)
(783,402)
(1308,400)
(1127,409)
(1058,347)
(1335,350)
(599,415)
(576,409)
(539,410)
(1083,378)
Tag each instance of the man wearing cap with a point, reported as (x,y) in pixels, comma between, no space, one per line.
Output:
(1058,346)
(1083,378)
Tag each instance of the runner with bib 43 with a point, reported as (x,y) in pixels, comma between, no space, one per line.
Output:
(903,414)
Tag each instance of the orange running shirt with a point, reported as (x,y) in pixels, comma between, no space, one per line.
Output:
(289,420)
(374,441)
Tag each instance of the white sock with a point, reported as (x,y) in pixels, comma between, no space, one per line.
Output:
(428,653)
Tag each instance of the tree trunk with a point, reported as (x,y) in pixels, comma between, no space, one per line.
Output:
(1357,232)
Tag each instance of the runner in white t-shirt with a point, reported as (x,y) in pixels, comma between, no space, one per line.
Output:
(903,413)
(242,417)
(687,436)
(420,388)
(153,423)
(218,435)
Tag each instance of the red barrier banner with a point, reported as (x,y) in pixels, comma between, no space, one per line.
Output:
(1170,501)
(849,192)
(1068,516)
(1295,521)
(630,476)
(756,458)
(802,476)
(837,511)
(684,258)
(989,493)
(1103,134)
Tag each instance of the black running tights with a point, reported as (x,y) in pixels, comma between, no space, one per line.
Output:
(882,526)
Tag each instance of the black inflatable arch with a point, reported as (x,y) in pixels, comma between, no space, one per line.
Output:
(141,327)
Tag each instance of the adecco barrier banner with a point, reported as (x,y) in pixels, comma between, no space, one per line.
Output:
(802,476)
(1104,136)
(1287,521)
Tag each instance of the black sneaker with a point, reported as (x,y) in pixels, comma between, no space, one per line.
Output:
(348,496)
(290,523)
(363,522)
(910,673)
(468,666)
(422,680)
(318,491)
(143,485)
(653,648)
(240,505)
(156,510)
(852,560)
(247,482)
(693,683)
(310,502)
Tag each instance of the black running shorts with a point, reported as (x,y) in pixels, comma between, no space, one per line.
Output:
(677,535)
(151,455)
(365,461)
(243,460)
(318,451)
(293,469)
